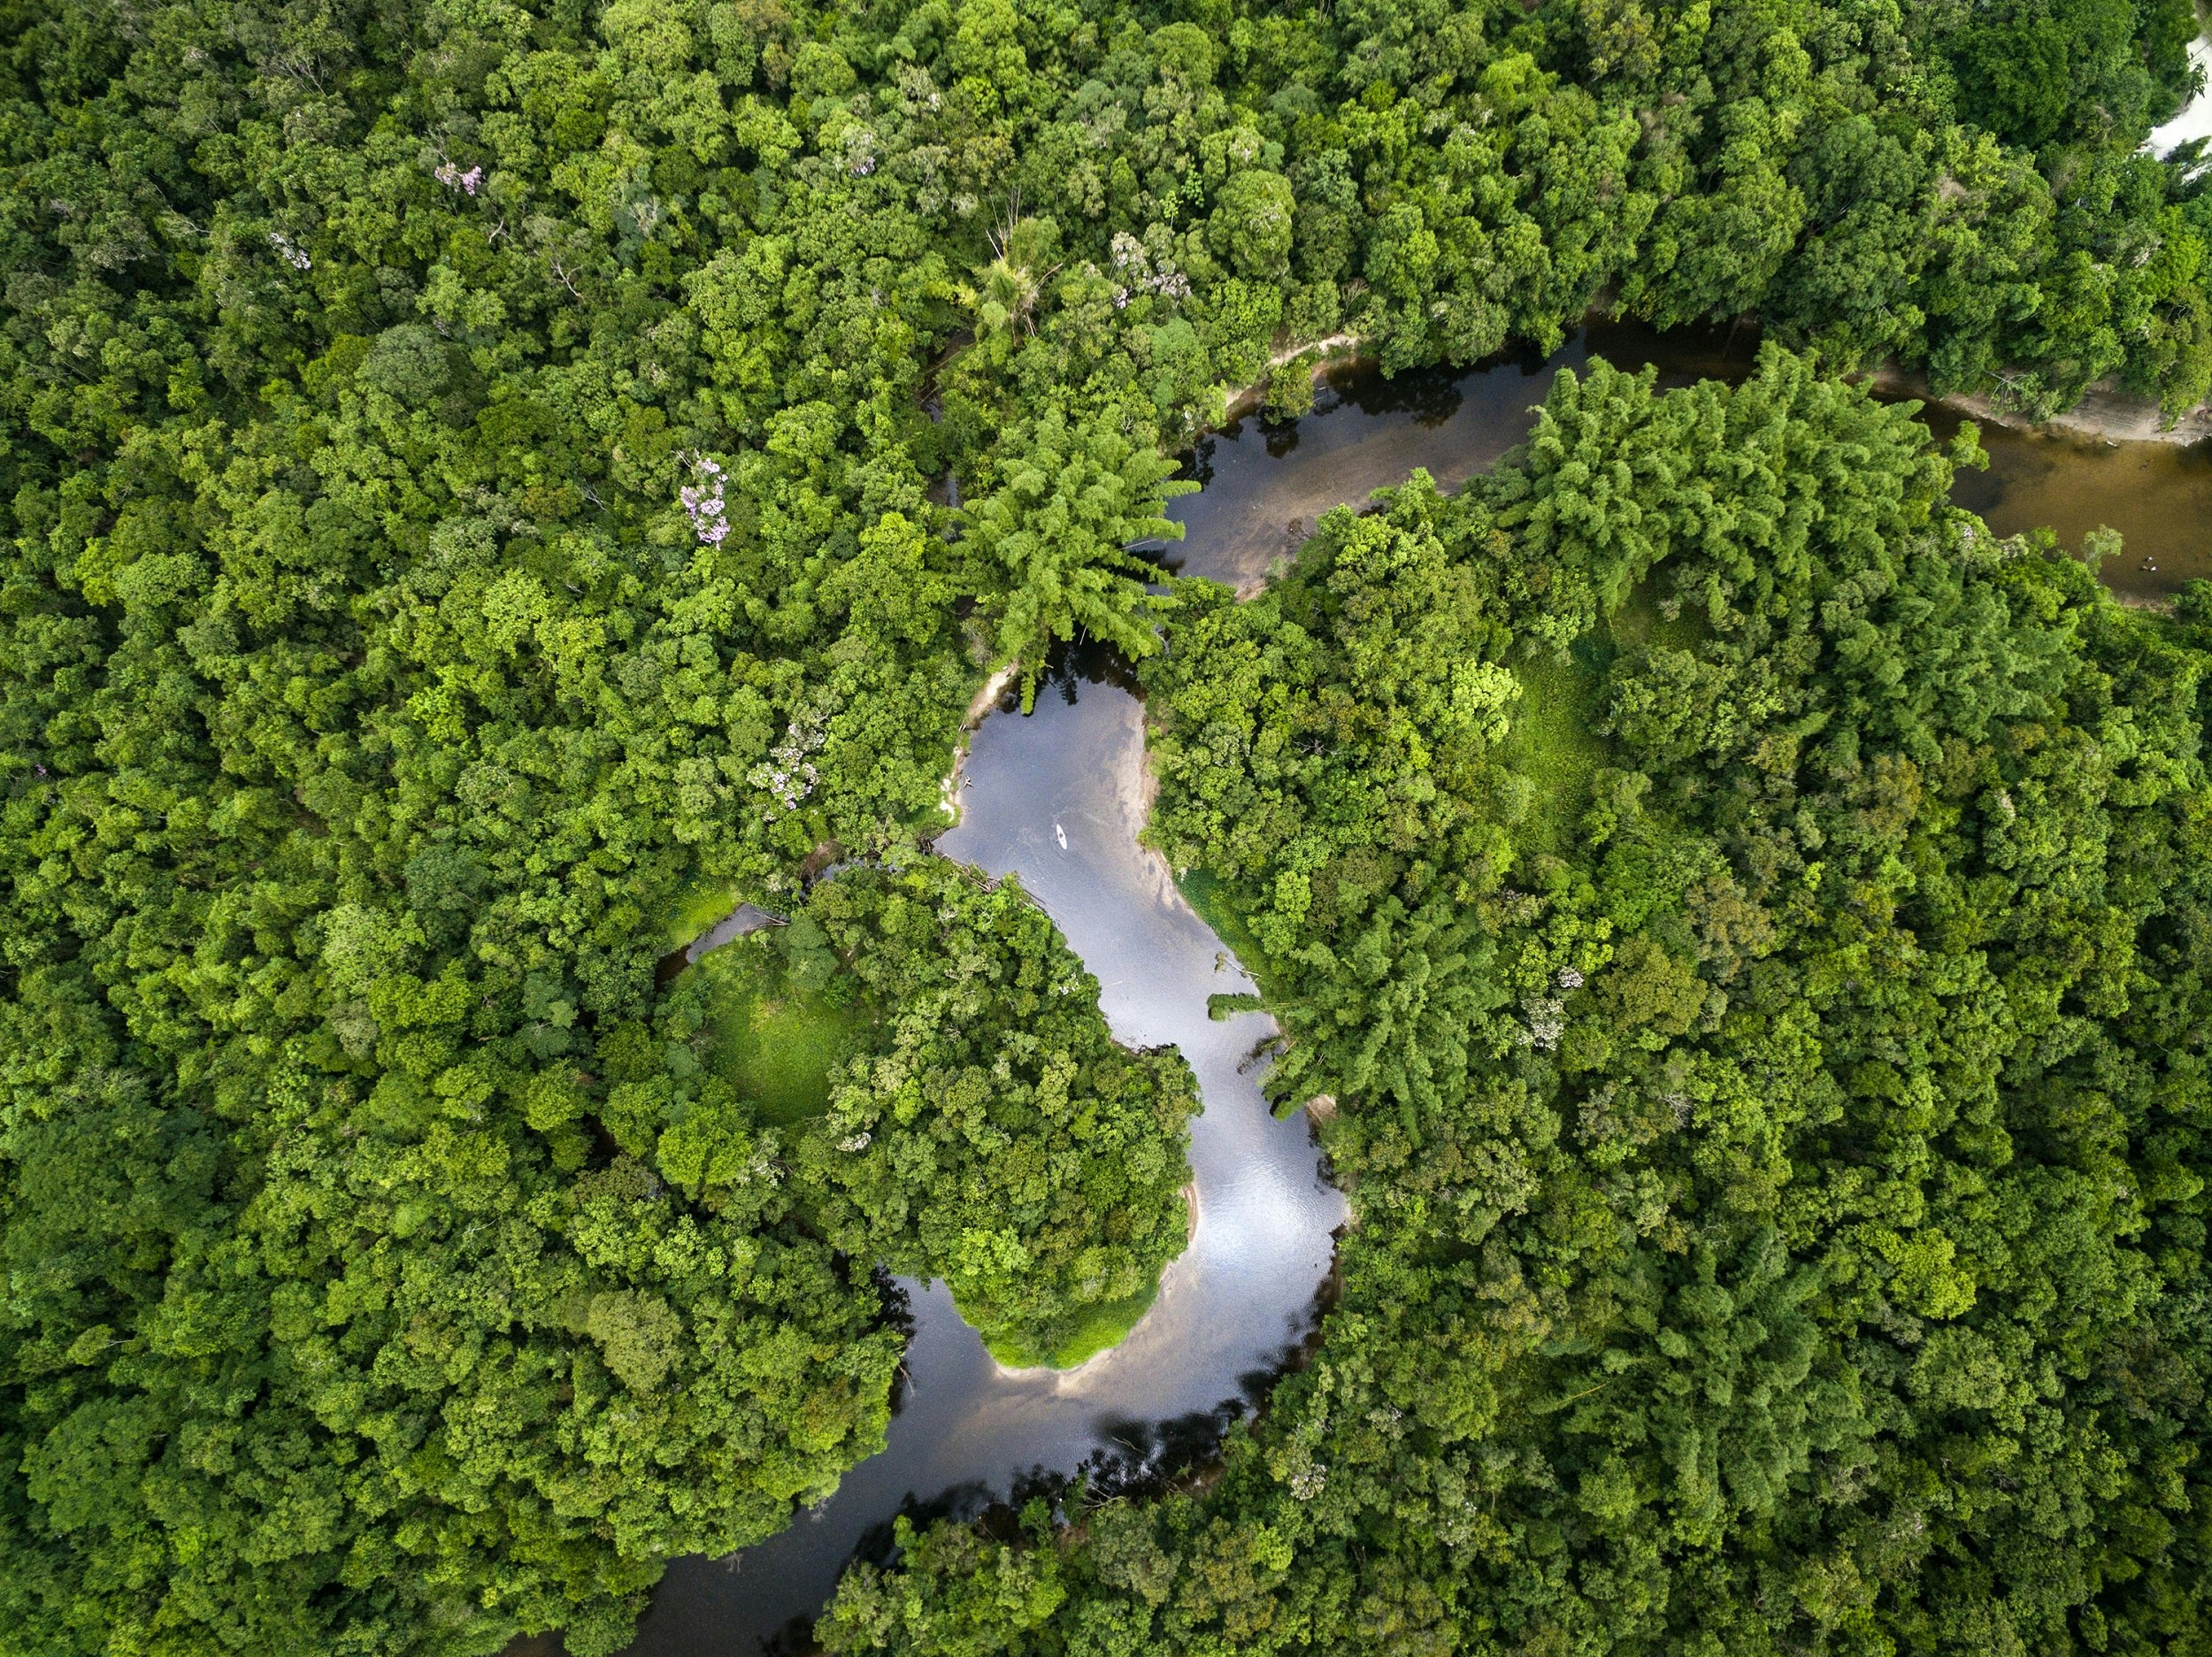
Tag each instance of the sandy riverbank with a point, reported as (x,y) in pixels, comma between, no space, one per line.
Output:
(2104,411)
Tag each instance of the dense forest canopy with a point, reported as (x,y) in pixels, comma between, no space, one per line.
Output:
(471,475)
(1777,1124)
(981,1126)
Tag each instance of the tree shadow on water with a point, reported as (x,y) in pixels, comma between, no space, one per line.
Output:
(1198,464)
(966,1501)
(1143,1457)
(1431,395)
(1087,661)
(897,1312)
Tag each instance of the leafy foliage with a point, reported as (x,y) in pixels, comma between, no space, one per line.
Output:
(466,474)
(990,1131)
(1067,506)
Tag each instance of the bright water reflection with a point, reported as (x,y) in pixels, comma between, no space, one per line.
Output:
(1266,484)
(1232,1308)
(2195,119)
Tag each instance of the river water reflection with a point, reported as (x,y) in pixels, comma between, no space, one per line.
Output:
(2194,121)
(2158,495)
(1266,485)
(1233,1307)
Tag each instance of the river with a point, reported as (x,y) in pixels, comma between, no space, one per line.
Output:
(1234,1307)
(2195,119)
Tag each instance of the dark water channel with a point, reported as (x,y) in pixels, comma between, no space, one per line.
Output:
(1233,1309)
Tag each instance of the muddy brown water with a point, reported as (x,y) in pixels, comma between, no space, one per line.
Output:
(2158,495)
(1235,1306)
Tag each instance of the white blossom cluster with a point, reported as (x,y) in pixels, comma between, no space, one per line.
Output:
(703,504)
(1547,1021)
(857,1142)
(787,773)
(1133,269)
(1569,977)
(290,250)
(760,1169)
(468,183)
(860,151)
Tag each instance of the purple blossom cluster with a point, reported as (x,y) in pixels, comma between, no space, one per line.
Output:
(454,179)
(703,504)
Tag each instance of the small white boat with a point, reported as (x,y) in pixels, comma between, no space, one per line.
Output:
(1061,835)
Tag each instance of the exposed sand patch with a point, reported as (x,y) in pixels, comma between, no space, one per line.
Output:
(2104,411)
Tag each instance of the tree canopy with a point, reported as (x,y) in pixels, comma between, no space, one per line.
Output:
(1770,1097)
(976,1122)
(475,483)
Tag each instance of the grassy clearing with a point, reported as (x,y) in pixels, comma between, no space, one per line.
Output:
(1098,1328)
(1638,622)
(774,1044)
(1553,742)
(1209,896)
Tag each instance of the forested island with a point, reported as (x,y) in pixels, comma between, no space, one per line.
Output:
(489,487)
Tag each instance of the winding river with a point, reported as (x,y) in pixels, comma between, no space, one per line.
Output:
(1232,1307)
(1236,1307)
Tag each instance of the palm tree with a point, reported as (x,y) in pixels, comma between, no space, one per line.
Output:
(1008,289)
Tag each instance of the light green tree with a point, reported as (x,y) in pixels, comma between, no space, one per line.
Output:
(1069,502)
